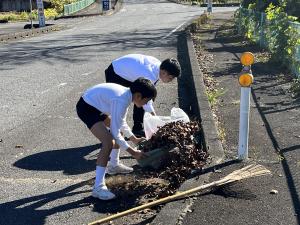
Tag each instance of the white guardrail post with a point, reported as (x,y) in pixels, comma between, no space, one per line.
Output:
(245,80)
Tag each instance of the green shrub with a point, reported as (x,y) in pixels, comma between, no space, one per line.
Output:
(277,33)
(9,16)
(24,16)
(14,16)
(58,5)
(295,87)
(51,13)
(292,7)
(281,36)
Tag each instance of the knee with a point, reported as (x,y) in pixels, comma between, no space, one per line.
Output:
(108,144)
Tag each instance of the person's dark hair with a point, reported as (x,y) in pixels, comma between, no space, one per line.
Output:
(145,87)
(172,66)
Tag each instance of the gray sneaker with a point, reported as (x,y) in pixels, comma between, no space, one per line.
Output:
(120,168)
(102,193)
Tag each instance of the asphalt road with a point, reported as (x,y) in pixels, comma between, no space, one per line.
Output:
(47,156)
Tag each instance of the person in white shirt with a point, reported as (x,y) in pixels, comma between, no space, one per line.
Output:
(124,71)
(128,68)
(94,108)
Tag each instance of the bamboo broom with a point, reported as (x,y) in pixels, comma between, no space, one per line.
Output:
(244,173)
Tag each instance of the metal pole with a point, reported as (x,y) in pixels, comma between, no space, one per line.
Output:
(209,6)
(30,12)
(244,123)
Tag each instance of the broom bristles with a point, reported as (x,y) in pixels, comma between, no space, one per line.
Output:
(244,173)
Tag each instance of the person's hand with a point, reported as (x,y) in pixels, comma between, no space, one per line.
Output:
(141,139)
(153,113)
(136,140)
(137,154)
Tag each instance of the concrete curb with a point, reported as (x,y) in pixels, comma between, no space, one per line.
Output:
(30,33)
(212,141)
(174,212)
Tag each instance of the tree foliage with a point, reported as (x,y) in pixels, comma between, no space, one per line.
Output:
(58,5)
(273,29)
(291,7)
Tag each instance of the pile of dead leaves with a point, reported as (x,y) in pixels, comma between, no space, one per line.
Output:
(186,150)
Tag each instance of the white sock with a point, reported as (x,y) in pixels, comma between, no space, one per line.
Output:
(114,157)
(100,176)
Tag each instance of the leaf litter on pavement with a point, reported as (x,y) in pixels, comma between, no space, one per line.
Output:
(185,153)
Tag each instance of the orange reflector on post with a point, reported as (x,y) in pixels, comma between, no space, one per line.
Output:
(246,79)
(247,58)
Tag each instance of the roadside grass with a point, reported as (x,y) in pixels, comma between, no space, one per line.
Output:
(263,57)
(295,87)
(13,16)
(227,30)
(25,16)
(221,132)
(205,60)
(213,95)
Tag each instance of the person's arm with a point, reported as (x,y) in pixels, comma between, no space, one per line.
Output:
(128,133)
(118,114)
(118,120)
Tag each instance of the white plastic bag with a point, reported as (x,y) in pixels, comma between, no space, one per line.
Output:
(152,123)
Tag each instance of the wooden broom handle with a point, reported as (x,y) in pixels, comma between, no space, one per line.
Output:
(157,202)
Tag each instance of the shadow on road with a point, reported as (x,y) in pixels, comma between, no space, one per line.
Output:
(71,161)
(186,88)
(271,98)
(31,211)
(82,47)
(278,110)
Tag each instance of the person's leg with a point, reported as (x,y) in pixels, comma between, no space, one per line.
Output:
(96,122)
(115,166)
(138,118)
(100,131)
(114,157)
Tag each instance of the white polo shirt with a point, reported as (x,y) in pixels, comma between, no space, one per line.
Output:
(132,66)
(114,100)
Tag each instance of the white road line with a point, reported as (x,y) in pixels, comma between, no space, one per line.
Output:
(86,74)
(177,28)
(116,45)
(63,117)
(62,84)
(57,86)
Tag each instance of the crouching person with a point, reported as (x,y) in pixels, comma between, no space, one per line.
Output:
(94,108)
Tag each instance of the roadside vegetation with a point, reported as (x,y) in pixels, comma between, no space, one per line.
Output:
(54,10)
(274,25)
(295,88)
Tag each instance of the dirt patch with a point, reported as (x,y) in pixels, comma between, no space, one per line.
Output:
(182,144)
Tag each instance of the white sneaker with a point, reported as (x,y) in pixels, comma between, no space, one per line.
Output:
(103,193)
(120,168)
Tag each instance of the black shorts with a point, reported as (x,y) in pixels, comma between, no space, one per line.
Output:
(112,77)
(89,114)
